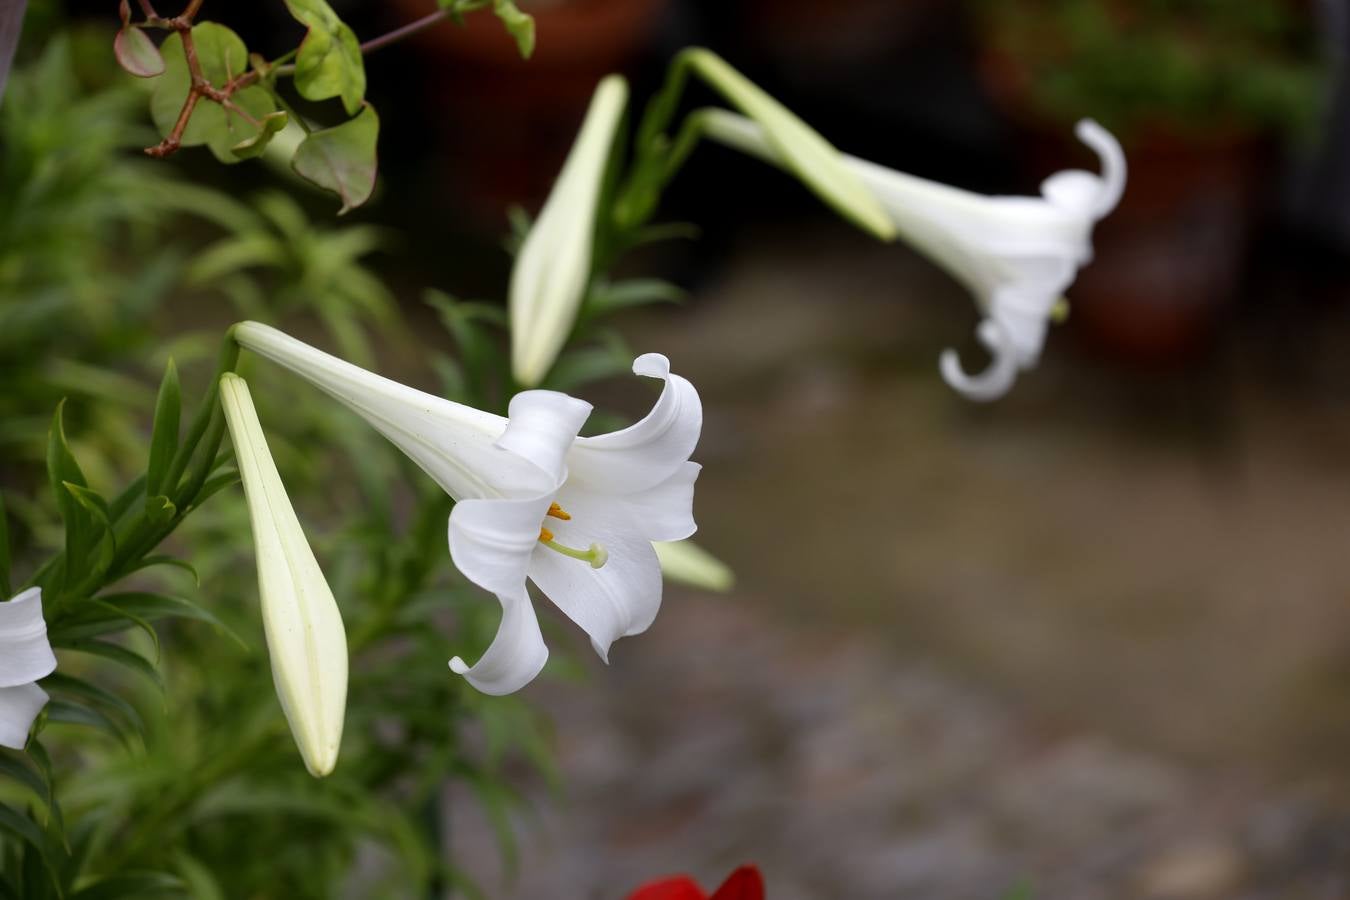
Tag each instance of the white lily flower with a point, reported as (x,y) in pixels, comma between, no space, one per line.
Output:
(577,516)
(306,640)
(1017,255)
(553,267)
(25,657)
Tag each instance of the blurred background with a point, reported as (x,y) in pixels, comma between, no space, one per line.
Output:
(1091,641)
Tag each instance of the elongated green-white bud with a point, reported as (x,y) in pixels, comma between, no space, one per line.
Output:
(553,267)
(688,563)
(801,148)
(305,636)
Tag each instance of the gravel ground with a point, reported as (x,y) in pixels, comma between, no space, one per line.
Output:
(849,775)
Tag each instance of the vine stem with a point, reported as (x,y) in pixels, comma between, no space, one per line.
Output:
(201,87)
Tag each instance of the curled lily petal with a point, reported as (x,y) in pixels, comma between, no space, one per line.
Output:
(650,451)
(19,706)
(541,427)
(491,542)
(997,377)
(25,654)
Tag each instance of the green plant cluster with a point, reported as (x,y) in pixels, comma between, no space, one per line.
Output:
(163,756)
(1188,67)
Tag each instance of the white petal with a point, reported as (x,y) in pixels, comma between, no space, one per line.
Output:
(620,598)
(664,512)
(516,655)
(541,427)
(994,381)
(648,452)
(490,543)
(19,706)
(25,654)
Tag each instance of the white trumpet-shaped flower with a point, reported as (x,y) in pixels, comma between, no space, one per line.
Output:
(577,516)
(553,267)
(306,640)
(25,657)
(1017,255)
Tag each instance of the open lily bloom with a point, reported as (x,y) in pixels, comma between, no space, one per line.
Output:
(1017,255)
(25,657)
(577,516)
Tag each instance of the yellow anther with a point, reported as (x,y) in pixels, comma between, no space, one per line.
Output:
(545,535)
(558,512)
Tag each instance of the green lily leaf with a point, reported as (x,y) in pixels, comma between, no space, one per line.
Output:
(164,434)
(223,57)
(342,159)
(329,63)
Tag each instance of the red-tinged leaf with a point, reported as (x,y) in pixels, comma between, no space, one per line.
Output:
(137,53)
(342,159)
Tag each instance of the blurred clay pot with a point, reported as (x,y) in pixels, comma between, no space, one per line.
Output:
(508,122)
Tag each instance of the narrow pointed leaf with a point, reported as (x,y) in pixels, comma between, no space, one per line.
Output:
(6,589)
(120,655)
(164,432)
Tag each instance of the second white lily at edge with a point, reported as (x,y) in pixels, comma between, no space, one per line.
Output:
(25,658)
(577,516)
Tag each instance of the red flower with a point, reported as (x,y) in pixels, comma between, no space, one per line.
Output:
(744,884)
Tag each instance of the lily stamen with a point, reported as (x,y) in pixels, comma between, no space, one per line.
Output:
(558,512)
(596,555)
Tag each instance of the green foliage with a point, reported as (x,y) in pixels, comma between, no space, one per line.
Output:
(329,62)
(1189,66)
(223,56)
(342,159)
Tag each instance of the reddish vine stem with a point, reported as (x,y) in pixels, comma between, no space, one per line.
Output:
(200,87)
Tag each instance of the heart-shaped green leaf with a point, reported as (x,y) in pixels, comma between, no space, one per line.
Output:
(342,159)
(329,63)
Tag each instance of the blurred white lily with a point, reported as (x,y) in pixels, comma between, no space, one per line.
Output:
(1017,255)
(553,266)
(530,495)
(25,657)
(306,640)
